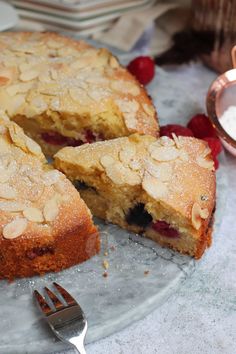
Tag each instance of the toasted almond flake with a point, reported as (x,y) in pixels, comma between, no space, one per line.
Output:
(51,210)
(15,228)
(16,103)
(29,75)
(33,147)
(166,141)
(54,74)
(3,129)
(39,103)
(122,175)
(206,151)
(148,109)
(106,160)
(114,62)
(127,153)
(6,172)
(12,206)
(183,155)
(7,192)
(153,146)
(19,88)
(165,153)
(177,141)
(51,177)
(33,214)
(79,95)
(135,165)
(197,214)
(17,135)
(162,171)
(125,87)
(154,187)
(4,176)
(203,162)
(54,44)
(35,192)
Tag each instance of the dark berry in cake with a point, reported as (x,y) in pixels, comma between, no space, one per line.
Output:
(139,216)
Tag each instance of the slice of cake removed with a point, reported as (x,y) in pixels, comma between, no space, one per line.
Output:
(44,224)
(162,188)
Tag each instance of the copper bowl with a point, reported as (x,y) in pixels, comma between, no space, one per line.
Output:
(221,95)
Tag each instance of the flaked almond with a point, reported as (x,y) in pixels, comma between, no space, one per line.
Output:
(197,214)
(203,162)
(79,95)
(33,147)
(148,109)
(165,153)
(154,187)
(12,206)
(51,210)
(33,214)
(107,160)
(54,44)
(125,87)
(122,175)
(135,165)
(162,171)
(16,103)
(166,141)
(29,75)
(17,136)
(127,153)
(114,62)
(19,88)
(7,172)
(51,177)
(15,228)
(177,141)
(7,192)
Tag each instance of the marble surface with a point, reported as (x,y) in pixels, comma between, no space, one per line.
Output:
(200,315)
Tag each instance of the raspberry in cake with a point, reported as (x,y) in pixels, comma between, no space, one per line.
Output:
(44,224)
(65,92)
(162,188)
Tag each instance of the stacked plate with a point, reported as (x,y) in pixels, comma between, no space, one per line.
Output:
(76,16)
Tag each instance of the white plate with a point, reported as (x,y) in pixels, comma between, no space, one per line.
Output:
(8,16)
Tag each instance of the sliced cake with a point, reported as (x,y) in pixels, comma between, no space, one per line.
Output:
(163,188)
(66,92)
(44,224)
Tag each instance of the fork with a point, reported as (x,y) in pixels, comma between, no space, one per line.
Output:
(68,321)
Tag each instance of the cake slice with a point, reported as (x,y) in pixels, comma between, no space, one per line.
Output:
(44,224)
(162,188)
(66,92)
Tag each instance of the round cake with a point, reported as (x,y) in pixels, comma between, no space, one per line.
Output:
(44,224)
(66,92)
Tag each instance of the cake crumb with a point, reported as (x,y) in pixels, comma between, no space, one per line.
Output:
(146,272)
(105,253)
(105,264)
(105,275)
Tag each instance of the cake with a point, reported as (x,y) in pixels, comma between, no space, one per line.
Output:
(66,92)
(162,188)
(44,224)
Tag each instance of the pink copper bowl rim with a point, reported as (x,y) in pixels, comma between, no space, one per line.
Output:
(214,92)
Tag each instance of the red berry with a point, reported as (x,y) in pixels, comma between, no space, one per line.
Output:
(53,138)
(143,68)
(201,126)
(177,129)
(163,228)
(215,145)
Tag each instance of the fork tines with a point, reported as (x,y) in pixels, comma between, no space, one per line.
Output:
(43,304)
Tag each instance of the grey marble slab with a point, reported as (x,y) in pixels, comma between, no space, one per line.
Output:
(127,294)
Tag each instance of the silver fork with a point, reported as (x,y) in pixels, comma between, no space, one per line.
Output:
(68,321)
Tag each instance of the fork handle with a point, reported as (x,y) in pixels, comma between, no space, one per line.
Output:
(79,346)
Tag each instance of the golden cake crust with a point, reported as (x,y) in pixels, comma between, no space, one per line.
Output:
(52,82)
(44,224)
(176,175)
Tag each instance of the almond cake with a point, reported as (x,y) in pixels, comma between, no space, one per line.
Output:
(162,188)
(44,224)
(66,92)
